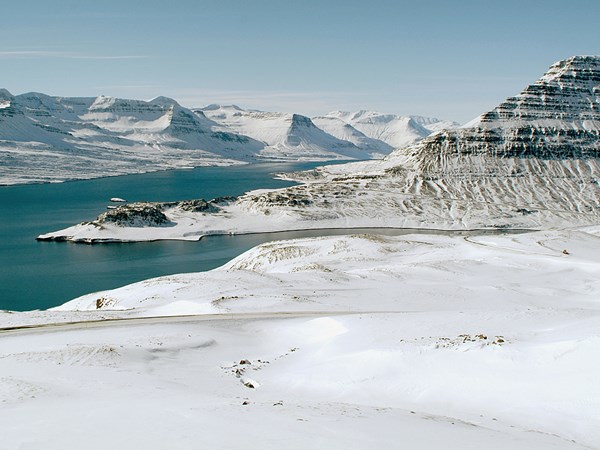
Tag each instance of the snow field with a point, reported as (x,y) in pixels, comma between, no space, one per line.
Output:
(346,342)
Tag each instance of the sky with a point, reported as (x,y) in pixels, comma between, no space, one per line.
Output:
(447,59)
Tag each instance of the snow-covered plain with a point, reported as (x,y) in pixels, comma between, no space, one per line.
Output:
(359,341)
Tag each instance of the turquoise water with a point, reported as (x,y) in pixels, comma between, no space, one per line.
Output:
(39,275)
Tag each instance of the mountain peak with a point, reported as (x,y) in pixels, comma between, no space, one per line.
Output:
(576,69)
(556,117)
(5,95)
(103,101)
(163,101)
(299,120)
(568,92)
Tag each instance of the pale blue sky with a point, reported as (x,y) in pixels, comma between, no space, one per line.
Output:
(451,59)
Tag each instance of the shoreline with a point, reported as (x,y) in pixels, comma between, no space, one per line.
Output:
(327,232)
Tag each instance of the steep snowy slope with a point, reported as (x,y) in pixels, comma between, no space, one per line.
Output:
(532,162)
(287,135)
(342,130)
(540,147)
(396,131)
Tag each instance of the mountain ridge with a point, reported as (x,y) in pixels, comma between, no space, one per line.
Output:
(47,138)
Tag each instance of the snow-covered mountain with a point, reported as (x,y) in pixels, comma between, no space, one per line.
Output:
(363,134)
(396,131)
(531,162)
(291,135)
(342,130)
(540,147)
(45,138)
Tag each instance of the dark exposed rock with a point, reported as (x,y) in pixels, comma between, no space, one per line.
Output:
(199,205)
(221,201)
(286,198)
(526,211)
(136,214)
(229,137)
(150,214)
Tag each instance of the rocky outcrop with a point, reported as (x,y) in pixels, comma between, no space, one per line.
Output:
(140,214)
(156,214)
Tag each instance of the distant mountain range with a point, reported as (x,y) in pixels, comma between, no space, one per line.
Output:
(44,138)
(531,162)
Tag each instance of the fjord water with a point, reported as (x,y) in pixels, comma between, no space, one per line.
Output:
(39,275)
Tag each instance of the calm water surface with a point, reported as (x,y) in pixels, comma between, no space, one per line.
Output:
(39,275)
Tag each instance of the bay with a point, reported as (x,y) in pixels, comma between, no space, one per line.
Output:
(39,275)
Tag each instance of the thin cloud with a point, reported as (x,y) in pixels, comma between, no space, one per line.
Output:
(481,79)
(129,86)
(37,54)
(288,101)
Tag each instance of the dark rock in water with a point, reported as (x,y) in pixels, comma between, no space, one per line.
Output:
(136,215)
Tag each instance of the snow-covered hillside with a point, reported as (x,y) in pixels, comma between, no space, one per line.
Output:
(45,138)
(342,130)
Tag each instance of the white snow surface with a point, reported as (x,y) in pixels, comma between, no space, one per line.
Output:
(357,341)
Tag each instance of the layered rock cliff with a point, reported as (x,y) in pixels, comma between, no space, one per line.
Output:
(533,161)
(557,117)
